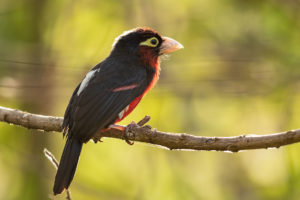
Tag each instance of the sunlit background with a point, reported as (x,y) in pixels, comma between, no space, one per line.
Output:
(238,74)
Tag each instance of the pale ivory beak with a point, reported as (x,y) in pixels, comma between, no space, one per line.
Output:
(169,45)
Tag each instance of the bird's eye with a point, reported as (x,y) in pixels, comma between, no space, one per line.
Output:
(151,42)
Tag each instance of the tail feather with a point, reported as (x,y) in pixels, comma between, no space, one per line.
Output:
(67,165)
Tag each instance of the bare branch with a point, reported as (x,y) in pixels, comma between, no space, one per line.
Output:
(31,121)
(169,140)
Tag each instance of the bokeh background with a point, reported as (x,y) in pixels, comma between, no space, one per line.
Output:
(238,74)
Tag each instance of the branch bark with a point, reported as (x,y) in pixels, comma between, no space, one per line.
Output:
(168,140)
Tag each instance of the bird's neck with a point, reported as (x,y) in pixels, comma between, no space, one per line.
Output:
(154,76)
(149,57)
(152,66)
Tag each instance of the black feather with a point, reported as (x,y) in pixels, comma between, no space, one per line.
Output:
(67,165)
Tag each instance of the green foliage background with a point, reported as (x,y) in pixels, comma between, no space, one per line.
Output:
(238,74)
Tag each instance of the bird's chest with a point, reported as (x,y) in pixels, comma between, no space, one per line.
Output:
(128,109)
(153,75)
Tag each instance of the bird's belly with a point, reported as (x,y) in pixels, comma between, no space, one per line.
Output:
(128,109)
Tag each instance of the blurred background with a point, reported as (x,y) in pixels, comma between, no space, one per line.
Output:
(238,74)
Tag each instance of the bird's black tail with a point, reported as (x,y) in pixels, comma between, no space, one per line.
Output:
(67,165)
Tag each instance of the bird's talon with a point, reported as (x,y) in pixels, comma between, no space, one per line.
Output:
(97,140)
(129,142)
(127,132)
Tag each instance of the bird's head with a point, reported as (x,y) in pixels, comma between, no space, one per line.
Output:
(145,43)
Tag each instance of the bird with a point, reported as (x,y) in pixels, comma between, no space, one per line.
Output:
(109,92)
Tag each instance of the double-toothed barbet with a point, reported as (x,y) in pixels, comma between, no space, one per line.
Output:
(109,92)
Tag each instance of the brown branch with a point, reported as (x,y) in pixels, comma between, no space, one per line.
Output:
(168,140)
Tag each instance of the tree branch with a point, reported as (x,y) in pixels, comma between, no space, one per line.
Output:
(146,134)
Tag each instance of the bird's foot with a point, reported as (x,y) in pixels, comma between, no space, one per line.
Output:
(132,125)
(127,132)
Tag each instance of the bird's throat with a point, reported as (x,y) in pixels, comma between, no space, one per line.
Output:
(149,57)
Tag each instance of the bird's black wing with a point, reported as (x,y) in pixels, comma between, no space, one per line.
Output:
(98,105)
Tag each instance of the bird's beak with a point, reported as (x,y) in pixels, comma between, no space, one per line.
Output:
(169,45)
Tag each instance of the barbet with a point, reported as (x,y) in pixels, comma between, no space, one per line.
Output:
(109,92)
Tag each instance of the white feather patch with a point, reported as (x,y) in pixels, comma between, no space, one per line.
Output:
(121,114)
(86,80)
(126,109)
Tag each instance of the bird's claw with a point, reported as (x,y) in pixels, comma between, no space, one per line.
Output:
(132,125)
(97,140)
(127,131)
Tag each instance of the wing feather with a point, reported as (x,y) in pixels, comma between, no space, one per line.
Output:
(98,105)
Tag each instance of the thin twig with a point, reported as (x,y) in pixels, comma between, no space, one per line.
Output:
(143,121)
(168,140)
(53,160)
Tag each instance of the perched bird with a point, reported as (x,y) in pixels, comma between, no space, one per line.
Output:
(109,92)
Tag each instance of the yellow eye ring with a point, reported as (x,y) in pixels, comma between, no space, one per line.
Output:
(150,42)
